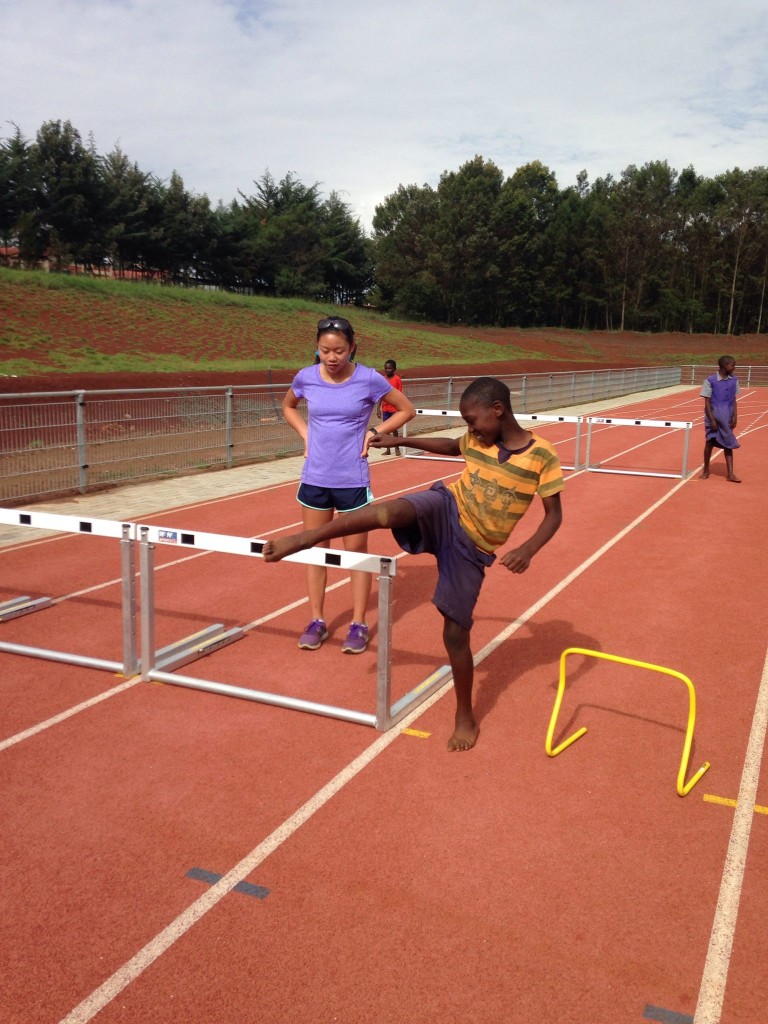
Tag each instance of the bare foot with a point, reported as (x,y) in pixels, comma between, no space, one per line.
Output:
(735,479)
(704,475)
(464,735)
(274,550)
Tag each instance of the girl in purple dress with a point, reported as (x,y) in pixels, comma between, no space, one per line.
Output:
(340,396)
(719,393)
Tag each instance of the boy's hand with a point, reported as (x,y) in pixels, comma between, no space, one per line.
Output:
(518,559)
(382,440)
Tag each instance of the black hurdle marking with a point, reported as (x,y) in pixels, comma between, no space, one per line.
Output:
(85,526)
(257,547)
(25,519)
(667,423)
(188,538)
(662,1016)
(248,888)
(638,423)
(332,559)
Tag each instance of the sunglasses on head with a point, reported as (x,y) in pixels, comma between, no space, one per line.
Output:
(335,323)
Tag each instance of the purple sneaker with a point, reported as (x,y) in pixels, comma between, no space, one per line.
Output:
(313,635)
(357,639)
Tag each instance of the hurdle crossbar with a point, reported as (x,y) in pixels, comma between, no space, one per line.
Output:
(684,425)
(535,417)
(428,456)
(253,547)
(547,418)
(86,526)
(385,716)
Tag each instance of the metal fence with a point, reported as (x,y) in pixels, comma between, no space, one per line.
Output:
(54,443)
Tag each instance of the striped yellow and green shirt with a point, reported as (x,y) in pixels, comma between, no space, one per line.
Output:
(493,496)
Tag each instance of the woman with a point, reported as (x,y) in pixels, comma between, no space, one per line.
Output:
(340,395)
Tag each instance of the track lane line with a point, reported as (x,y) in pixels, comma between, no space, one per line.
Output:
(133,968)
(33,730)
(709,1007)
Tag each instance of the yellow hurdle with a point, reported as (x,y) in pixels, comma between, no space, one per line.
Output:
(683,788)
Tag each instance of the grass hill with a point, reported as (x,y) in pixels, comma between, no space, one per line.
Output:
(67,328)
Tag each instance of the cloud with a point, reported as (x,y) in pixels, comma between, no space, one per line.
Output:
(363,100)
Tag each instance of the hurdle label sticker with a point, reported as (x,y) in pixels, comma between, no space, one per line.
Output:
(167,537)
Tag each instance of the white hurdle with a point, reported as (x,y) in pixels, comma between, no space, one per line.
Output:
(522,417)
(386,714)
(24,605)
(538,417)
(684,425)
(427,456)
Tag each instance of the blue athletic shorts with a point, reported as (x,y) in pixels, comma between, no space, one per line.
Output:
(326,499)
(460,564)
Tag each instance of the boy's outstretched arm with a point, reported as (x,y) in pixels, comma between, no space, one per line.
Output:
(434,445)
(518,559)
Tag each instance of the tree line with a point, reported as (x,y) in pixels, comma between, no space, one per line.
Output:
(650,250)
(63,202)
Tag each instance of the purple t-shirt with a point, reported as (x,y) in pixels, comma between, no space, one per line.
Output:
(338,419)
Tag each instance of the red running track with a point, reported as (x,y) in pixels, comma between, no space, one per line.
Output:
(385,879)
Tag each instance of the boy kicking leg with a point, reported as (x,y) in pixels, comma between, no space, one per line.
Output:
(421,523)
(464,523)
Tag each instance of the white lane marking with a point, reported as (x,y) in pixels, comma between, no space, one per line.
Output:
(133,968)
(35,729)
(712,991)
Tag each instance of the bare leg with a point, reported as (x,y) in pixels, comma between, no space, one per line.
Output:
(384,516)
(707,456)
(456,640)
(361,581)
(316,574)
(729,466)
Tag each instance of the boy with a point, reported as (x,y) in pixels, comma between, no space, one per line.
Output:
(384,410)
(464,523)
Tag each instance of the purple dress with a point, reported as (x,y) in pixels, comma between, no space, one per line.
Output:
(723,402)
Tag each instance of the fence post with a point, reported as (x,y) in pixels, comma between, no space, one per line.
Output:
(82,465)
(228,428)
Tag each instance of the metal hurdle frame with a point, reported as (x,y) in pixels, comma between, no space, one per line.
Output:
(386,714)
(428,456)
(535,417)
(613,421)
(546,418)
(25,605)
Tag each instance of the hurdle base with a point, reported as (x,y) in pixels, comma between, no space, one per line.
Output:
(261,697)
(441,677)
(197,645)
(18,606)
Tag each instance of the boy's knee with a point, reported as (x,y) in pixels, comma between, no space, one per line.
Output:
(455,637)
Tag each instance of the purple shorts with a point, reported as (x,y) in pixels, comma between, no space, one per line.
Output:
(460,564)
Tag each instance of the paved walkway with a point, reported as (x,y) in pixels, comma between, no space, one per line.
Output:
(133,501)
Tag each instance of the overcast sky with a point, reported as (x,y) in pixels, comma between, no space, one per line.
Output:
(361,97)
